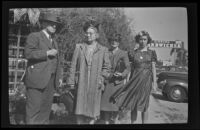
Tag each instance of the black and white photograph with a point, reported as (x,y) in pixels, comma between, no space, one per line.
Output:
(98,66)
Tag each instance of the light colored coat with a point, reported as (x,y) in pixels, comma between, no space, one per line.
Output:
(89,82)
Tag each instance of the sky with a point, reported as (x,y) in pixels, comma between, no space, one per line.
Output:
(162,23)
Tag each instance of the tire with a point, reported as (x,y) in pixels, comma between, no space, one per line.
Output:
(176,94)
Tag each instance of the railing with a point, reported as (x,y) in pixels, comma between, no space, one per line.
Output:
(15,80)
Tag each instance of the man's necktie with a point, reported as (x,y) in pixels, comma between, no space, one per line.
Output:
(50,39)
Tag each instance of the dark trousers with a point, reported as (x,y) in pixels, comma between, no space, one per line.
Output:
(39,102)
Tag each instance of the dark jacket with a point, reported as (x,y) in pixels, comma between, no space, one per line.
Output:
(120,63)
(39,67)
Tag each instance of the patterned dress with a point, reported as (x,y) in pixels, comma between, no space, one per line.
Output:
(135,94)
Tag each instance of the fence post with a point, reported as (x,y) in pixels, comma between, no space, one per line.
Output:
(17,58)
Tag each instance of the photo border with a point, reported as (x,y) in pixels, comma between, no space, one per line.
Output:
(193,98)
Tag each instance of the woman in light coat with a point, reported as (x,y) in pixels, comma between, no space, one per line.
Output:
(91,61)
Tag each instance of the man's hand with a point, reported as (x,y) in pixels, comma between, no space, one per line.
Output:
(52,52)
(117,74)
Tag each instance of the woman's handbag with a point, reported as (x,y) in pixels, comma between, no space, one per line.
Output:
(66,96)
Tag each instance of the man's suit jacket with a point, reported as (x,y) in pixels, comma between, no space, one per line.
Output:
(38,72)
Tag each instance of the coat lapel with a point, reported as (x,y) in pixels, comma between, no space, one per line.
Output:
(116,58)
(83,49)
(98,47)
(55,45)
(47,41)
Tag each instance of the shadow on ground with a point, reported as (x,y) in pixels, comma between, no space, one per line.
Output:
(159,96)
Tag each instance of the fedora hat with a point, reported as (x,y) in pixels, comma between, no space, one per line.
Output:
(49,17)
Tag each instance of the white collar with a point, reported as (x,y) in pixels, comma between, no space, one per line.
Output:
(115,50)
(92,45)
(45,32)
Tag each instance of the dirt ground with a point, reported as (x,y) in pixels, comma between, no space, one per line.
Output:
(161,111)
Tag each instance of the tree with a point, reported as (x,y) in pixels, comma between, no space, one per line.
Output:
(111,20)
(21,14)
(181,58)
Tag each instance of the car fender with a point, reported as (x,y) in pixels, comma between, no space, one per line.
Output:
(174,82)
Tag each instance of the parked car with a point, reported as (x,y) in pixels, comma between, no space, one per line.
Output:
(174,85)
(171,68)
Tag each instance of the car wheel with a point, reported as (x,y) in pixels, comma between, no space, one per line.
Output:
(176,94)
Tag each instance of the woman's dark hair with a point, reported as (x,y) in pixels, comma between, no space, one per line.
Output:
(89,24)
(115,37)
(143,33)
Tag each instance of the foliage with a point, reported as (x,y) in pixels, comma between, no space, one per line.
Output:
(181,56)
(21,14)
(112,20)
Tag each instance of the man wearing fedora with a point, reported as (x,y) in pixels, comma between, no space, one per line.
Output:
(43,73)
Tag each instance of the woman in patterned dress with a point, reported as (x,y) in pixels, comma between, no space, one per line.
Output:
(135,94)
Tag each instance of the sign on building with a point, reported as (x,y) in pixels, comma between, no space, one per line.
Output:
(167,63)
(166,44)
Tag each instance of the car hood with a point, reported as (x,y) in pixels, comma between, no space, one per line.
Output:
(173,75)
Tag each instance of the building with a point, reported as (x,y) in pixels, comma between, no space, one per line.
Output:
(167,63)
(16,40)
